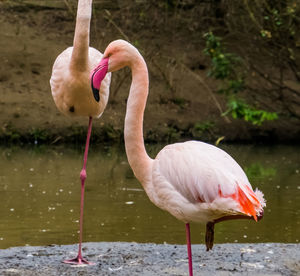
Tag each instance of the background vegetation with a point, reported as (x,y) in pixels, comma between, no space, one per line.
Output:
(242,55)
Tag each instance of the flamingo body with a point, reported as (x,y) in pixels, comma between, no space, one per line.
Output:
(194,181)
(71,89)
(198,182)
(70,79)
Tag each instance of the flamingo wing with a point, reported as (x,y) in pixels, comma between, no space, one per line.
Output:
(204,176)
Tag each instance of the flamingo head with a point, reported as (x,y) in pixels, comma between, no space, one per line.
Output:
(117,55)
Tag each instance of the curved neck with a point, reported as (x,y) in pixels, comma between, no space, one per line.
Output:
(138,158)
(79,60)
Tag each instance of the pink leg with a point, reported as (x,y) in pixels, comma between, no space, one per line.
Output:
(189,248)
(79,259)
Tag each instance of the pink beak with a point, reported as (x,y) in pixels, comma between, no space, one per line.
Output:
(96,77)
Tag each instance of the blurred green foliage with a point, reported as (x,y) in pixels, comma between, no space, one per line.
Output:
(239,109)
(257,170)
(227,68)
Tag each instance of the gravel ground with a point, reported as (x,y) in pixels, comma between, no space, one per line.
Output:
(153,259)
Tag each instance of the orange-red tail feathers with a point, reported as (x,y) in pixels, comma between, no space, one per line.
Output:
(247,200)
(248,206)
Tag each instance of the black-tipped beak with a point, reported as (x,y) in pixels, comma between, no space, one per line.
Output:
(96,77)
(95,90)
(260,215)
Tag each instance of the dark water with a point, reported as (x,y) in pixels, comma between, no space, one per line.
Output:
(40,192)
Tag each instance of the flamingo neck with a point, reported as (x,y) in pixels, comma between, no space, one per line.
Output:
(79,60)
(138,158)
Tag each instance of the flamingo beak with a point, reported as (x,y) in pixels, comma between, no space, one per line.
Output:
(260,215)
(96,77)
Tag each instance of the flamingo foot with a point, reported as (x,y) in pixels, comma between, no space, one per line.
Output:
(78,261)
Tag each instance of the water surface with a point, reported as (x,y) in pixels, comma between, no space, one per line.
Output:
(40,193)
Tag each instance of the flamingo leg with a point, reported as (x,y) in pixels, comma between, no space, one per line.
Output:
(79,259)
(189,248)
(209,235)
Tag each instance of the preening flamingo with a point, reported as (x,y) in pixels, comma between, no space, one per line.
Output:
(71,89)
(194,181)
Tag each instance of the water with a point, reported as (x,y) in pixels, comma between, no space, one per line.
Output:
(40,192)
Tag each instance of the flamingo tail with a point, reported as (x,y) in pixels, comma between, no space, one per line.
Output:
(251,202)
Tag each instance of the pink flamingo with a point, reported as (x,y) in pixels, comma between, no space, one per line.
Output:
(72,93)
(194,181)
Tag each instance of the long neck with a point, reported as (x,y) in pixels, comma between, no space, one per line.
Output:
(138,158)
(79,60)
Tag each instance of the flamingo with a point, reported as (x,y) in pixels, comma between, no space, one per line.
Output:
(193,181)
(72,93)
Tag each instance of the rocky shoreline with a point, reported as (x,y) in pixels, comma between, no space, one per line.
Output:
(120,258)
